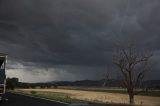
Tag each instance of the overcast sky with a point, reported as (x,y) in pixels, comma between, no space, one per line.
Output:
(50,40)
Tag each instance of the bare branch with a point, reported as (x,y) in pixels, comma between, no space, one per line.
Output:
(132,65)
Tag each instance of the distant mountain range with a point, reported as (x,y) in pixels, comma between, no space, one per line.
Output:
(112,83)
(90,83)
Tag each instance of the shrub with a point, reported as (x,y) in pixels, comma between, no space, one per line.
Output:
(33,92)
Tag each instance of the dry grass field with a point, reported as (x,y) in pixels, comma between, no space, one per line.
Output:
(103,97)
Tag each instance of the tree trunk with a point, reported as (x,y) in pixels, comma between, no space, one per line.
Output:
(131,99)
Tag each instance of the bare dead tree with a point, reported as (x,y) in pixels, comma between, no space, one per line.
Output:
(106,77)
(132,64)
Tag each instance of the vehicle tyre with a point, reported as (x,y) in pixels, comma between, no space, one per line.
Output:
(1,98)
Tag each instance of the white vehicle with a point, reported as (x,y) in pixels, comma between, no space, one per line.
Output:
(3,58)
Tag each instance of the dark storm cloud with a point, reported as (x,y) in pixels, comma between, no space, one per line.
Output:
(62,33)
